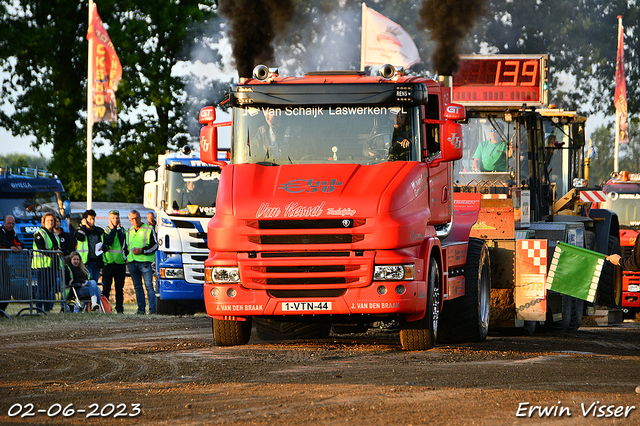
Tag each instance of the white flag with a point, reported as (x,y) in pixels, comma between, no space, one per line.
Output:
(385,42)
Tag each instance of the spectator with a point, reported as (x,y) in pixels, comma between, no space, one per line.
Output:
(114,269)
(140,250)
(46,262)
(77,276)
(89,236)
(8,237)
(8,241)
(151,219)
(67,241)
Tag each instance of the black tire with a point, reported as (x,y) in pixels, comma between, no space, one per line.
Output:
(576,315)
(349,329)
(305,330)
(166,307)
(231,333)
(562,326)
(529,328)
(466,318)
(422,334)
(610,284)
(268,329)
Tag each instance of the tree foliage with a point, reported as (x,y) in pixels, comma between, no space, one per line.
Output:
(581,39)
(45,51)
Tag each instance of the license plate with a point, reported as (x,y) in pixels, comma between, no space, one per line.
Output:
(306,306)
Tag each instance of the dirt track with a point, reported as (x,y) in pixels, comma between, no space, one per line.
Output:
(170,367)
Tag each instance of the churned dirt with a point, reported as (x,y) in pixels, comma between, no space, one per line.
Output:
(79,369)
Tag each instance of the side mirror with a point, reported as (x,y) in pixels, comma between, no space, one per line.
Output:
(207,115)
(455,112)
(150,176)
(209,137)
(451,142)
(150,194)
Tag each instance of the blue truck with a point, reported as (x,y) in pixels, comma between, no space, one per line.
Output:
(27,194)
(182,191)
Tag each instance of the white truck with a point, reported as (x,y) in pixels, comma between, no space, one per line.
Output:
(182,191)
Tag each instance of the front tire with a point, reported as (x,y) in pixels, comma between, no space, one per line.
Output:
(231,333)
(422,334)
(166,307)
(466,318)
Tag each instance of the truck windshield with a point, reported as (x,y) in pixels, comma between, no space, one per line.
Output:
(192,193)
(486,156)
(323,134)
(627,207)
(27,206)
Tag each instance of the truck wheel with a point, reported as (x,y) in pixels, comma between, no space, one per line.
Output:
(268,329)
(576,315)
(166,307)
(610,284)
(562,326)
(466,318)
(231,333)
(422,334)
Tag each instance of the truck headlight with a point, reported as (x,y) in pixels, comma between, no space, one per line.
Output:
(221,275)
(393,272)
(634,288)
(172,273)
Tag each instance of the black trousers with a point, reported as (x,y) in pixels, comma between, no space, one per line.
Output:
(114,272)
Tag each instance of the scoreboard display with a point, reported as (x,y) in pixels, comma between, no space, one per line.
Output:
(501,80)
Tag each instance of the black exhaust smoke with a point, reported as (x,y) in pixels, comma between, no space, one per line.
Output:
(449,22)
(253,25)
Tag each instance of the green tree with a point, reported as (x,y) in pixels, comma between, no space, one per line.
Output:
(44,49)
(581,39)
(628,158)
(23,160)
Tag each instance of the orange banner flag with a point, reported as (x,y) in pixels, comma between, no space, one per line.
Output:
(620,97)
(107,71)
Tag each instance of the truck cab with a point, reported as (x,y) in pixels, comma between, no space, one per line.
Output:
(26,194)
(333,208)
(182,191)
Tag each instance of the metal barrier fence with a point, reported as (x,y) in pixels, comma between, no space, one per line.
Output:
(33,277)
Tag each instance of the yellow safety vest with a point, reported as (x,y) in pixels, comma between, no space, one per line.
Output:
(139,239)
(115,254)
(43,260)
(83,248)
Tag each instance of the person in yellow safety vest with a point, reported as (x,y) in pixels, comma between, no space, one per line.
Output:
(140,250)
(89,236)
(47,263)
(114,269)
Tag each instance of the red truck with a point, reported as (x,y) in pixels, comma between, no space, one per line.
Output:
(623,197)
(337,210)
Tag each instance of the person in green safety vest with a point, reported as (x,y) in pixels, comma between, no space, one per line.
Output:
(47,263)
(90,238)
(140,249)
(114,269)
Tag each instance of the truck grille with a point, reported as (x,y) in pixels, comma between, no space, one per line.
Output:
(307,239)
(311,271)
(306,224)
